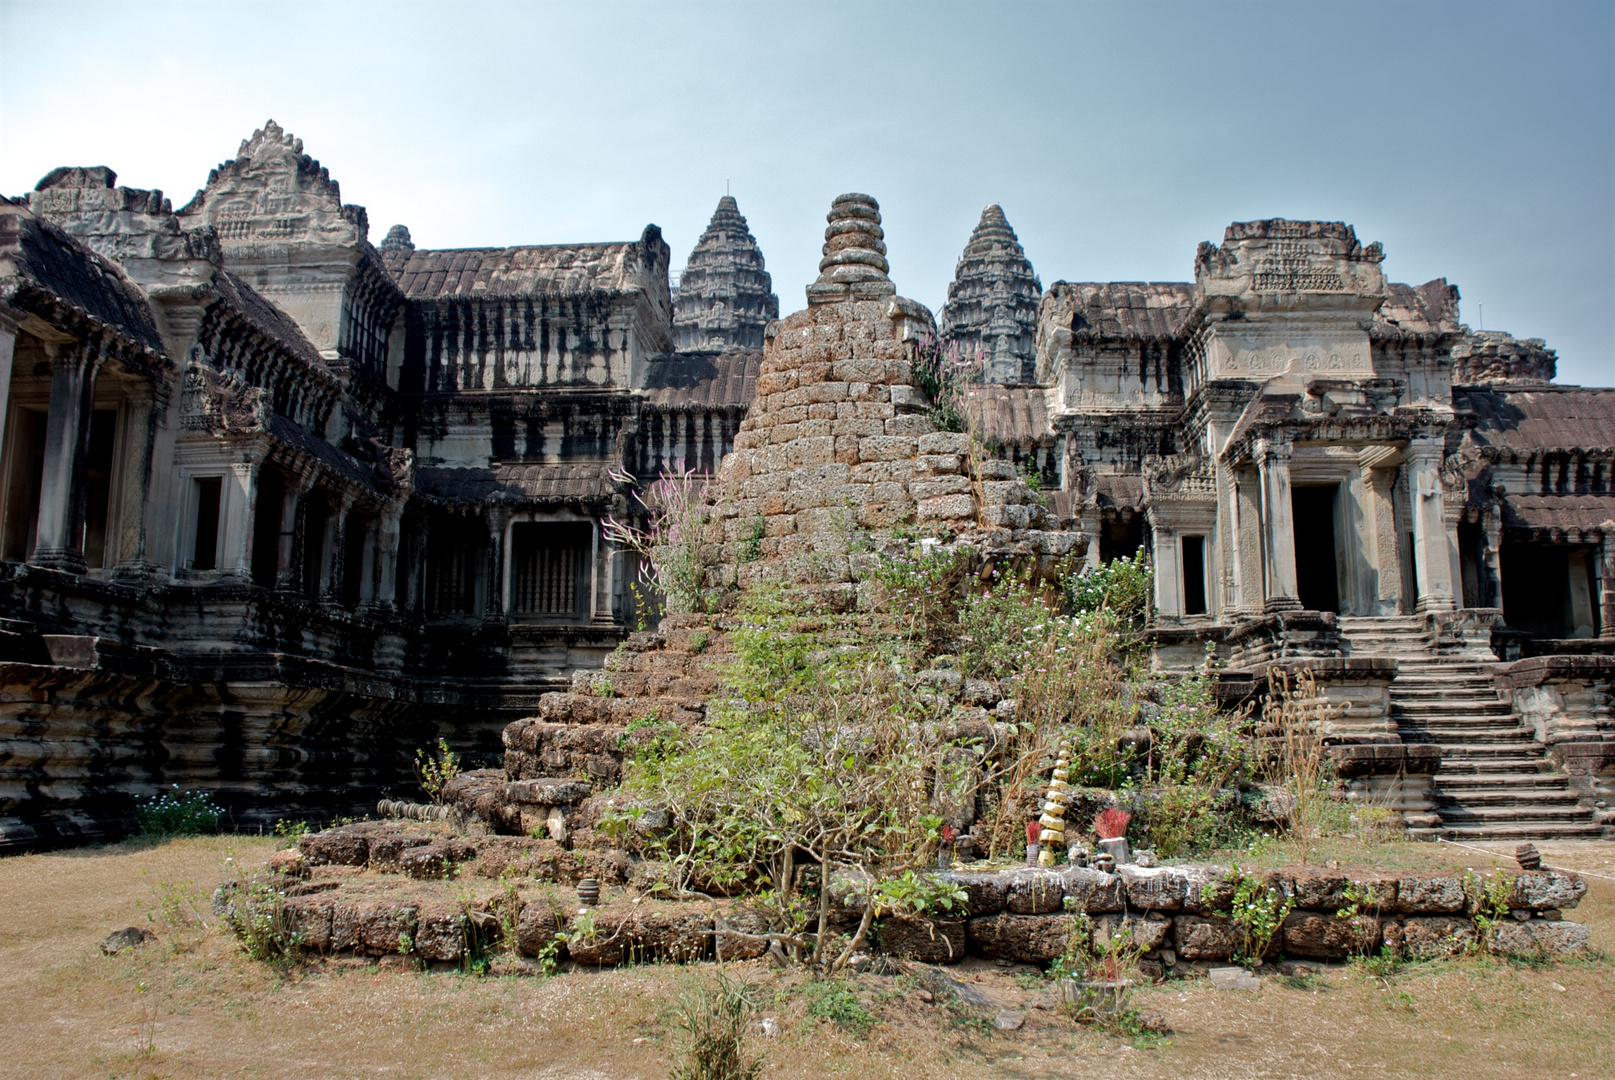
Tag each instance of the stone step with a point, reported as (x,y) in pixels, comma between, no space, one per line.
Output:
(1525,783)
(1516,831)
(1523,739)
(1504,796)
(1455,765)
(1484,751)
(1556,815)
(1459,711)
(1483,692)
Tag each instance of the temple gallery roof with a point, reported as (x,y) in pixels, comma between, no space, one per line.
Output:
(37,255)
(519,483)
(542,270)
(1012,415)
(1541,419)
(700,380)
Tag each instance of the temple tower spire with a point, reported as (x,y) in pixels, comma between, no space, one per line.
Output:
(992,302)
(725,297)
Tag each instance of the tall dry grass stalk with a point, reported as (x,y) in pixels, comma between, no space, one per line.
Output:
(1295,713)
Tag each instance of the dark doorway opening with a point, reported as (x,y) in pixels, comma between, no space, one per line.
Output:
(1121,538)
(205,550)
(266,528)
(1194,575)
(98,486)
(1317,576)
(1536,588)
(27,472)
(316,514)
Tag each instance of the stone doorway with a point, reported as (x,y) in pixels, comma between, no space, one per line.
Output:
(1317,567)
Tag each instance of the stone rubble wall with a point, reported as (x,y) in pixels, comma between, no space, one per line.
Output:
(360,888)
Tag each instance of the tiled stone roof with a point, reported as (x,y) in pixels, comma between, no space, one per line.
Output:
(1542,418)
(694,380)
(264,316)
(1558,513)
(550,269)
(1013,415)
(518,482)
(37,254)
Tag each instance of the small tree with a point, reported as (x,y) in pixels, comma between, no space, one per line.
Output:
(434,771)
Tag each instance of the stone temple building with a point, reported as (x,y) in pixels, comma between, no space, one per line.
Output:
(278,505)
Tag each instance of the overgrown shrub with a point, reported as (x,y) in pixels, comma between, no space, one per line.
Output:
(177,813)
(943,371)
(256,912)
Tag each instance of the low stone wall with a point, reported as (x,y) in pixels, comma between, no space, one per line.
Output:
(1175,913)
(376,888)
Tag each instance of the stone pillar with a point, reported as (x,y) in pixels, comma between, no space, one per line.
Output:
(1605,564)
(289,549)
(8,348)
(387,538)
(237,508)
(133,473)
(1278,527)
(60,539)
(1379,487)
(1164,554)
(493,608)
(415,584)
(335,540)
(1432,548)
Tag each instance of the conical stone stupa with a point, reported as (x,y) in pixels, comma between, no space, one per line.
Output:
(725,297)
(992,302)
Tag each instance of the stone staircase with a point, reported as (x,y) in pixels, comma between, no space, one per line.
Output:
(1495,781)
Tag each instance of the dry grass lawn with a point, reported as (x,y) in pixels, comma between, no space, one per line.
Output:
(192,1006)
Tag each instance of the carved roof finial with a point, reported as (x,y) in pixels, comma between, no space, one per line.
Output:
(854,266)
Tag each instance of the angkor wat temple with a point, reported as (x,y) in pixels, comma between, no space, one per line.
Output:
(278,506)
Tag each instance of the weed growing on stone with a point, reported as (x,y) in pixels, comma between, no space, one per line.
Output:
(1257,910)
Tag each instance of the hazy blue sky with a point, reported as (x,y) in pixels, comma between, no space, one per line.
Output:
(1475,140)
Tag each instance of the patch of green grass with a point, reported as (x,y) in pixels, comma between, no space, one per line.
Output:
(834,1000)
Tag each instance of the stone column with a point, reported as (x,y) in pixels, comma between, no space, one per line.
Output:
(1605,556)
(387,537)
(415,584)
(1379,486)
(331,568)
(1432,554)
(1278,527)
(237,508)
(1164,554)
(137,439)
(493,608)
(8,347)
(60,540)
(289,549)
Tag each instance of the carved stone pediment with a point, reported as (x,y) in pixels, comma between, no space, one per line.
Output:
(272,194)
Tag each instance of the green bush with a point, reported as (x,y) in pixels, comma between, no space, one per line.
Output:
(833,1000)
(177,813)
